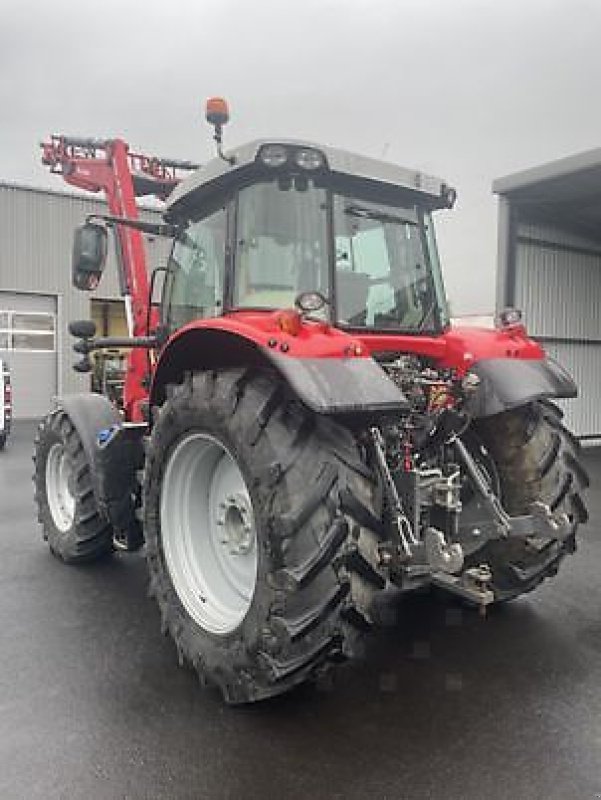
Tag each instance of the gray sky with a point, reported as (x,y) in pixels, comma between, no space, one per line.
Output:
(466,89)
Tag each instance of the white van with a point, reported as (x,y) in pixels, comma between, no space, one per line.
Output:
(5,403)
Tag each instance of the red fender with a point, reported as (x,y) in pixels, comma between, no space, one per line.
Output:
(333,371)
(330,370)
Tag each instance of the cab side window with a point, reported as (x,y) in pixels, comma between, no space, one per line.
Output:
(194,287)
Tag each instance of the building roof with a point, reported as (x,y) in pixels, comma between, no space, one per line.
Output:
(5,184)
(572,177)
(567,191)
(87,197)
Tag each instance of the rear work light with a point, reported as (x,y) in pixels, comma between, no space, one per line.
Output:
(307,159)
(274,155)
(310,302)
(509,319)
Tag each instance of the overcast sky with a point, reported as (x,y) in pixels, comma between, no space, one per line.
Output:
(466,89)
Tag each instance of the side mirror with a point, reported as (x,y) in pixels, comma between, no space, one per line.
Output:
(89,256)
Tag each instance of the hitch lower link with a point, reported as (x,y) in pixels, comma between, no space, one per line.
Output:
(430,558)
(433,559)
(540,527)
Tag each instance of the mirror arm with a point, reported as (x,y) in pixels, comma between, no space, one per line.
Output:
(153,228)
(86,346)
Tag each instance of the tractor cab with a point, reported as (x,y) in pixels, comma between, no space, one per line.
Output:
(275,221)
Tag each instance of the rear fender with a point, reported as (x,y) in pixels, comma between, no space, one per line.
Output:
(326,384)
(507,383)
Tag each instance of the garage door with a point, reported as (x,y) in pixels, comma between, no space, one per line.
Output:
(28,342)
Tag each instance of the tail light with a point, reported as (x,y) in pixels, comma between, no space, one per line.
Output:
(8,393)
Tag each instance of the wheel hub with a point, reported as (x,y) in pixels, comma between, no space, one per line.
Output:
(236,521)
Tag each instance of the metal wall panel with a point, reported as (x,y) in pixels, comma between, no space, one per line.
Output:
(36,235)
(556,235)
(558,287)
(557,283)
(583,362)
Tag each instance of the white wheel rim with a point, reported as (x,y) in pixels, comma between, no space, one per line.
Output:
(208,533)
(58,490)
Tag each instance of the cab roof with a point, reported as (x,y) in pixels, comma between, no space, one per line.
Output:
(218,174)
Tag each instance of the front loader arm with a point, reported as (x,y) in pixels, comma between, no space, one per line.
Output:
(107,166)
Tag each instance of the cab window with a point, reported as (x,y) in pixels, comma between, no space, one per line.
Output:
(281,247)
(194,287)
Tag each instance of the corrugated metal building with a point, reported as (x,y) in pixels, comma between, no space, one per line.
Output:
(37,300)
(549,265)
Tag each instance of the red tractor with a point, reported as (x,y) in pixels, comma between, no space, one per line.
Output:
(302,427)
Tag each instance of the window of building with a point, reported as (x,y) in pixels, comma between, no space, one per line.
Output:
(31,331)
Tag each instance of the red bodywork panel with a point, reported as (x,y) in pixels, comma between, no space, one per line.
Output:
(457,348)
(264,328)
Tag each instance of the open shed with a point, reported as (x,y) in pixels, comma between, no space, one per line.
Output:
(549,265)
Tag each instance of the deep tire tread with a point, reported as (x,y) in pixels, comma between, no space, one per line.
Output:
(320,557)
(537,458)
(285,668)
(301,625)
(302,465)
(91,536)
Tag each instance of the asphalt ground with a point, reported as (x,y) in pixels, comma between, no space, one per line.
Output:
(444,705)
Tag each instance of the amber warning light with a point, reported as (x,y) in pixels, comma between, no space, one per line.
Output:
(217,114)
(216,111)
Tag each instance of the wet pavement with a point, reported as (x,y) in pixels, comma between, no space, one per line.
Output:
(445,705)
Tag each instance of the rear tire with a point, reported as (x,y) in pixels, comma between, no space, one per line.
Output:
(67,509)
(537,459)
(311,500)
(2,441)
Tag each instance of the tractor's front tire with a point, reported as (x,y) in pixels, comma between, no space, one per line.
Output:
(259,522)
(67,509)
(536,459)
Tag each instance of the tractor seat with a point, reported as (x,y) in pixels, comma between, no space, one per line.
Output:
(351,295)
(268,298)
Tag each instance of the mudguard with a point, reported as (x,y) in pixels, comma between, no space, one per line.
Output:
(507,383)
(89,413)
(340,386)
(316,363)
(114,452)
